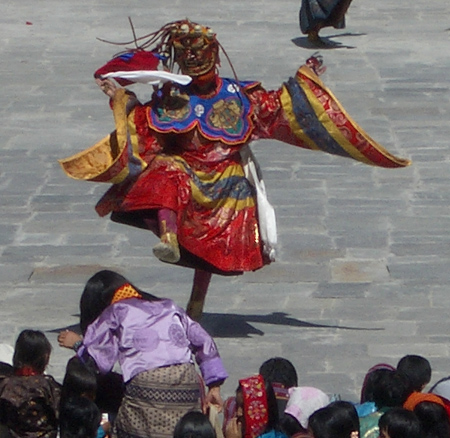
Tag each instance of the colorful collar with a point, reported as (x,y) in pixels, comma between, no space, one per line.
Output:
(255,405)
(125,292)
(225,117)
(26,371)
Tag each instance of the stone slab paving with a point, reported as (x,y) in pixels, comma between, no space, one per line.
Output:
(363,266)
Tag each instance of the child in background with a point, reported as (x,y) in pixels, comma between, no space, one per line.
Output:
(417,369)
(81,381)
(434,419)
(194,424)
(256,413)
(399,423)
(338,420)
(303,402)
(29,399)
(80,418)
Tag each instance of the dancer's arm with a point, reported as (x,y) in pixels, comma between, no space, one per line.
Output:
(110,88)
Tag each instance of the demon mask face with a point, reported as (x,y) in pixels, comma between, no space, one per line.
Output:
(195,48)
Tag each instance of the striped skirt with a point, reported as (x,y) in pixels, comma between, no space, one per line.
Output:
(155,400)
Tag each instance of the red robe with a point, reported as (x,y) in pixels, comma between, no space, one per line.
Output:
(187,159)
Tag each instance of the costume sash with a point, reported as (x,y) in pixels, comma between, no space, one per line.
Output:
(320,122)
(114,157)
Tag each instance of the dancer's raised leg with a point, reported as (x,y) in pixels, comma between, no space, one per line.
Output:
(167,249)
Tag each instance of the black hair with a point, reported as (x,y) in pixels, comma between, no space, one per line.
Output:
(434,420)
(32,349)
(98,294)
(79,380)
(393,388)
(290,425)
(279,370)
(417,369)
(273,421)
(400,423)
(79,418)
(371,382)
(337,420)
(194,425)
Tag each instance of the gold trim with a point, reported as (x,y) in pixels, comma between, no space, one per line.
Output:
(334,131)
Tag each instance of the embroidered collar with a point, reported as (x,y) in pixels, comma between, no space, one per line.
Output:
(124,292)
(226,116)
(255,405)
(26,371)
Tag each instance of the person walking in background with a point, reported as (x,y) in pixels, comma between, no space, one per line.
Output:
(317,14)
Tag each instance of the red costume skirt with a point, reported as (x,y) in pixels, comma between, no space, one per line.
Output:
(215,207)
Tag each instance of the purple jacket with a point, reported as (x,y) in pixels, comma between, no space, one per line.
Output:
(144,335)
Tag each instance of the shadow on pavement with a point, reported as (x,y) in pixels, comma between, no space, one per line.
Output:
(326,42)
(229,325)
(221,325)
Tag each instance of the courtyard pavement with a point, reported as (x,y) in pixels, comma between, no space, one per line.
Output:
(363,269)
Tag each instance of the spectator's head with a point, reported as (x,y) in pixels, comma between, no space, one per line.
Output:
(392,390)
(32,350)
(434,420)
(194,425)
(256,406)
(79,417)
(79,380)
(279,370)
(371,380)
(337,420)
(302,403)
(100,291)
(399,423)
(417,369)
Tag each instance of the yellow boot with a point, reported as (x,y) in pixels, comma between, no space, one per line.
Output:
(167,249)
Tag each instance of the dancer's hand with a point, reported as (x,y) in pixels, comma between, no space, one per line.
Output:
(315,63)
(107,86)
(214,398)
(68,338)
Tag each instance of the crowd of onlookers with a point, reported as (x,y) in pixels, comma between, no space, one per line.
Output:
(270,404)
(161,393)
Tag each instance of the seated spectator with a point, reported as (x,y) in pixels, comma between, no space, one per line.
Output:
(194,424)
(434,419)
(417,369)
(81,381)
(79,418)
(256,412)
(371,380)
(337,420)
(282,375)
(302,403)
(442,389)
(391,390)
(29,399)
(399,423)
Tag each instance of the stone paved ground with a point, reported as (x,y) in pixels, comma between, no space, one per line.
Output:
(363,267)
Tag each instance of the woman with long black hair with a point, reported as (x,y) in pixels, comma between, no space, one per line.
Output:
(153,340)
